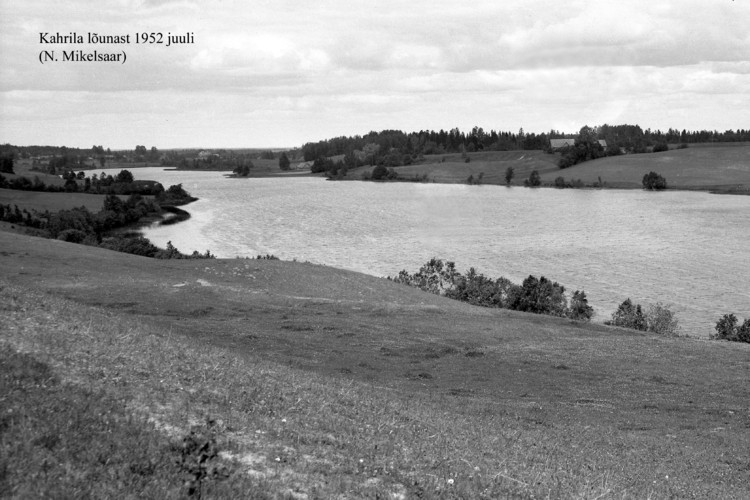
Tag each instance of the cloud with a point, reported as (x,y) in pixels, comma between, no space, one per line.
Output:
(339,67)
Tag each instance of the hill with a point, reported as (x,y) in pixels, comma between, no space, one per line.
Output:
(452,168)
(719,167)
(301,381)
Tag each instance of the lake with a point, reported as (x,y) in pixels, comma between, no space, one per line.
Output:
(688,250)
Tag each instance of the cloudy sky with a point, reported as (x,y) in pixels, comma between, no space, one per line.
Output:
(281,73)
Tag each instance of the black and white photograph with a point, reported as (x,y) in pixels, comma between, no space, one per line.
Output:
(278,249)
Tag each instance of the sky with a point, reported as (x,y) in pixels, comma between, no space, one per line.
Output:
(286,72)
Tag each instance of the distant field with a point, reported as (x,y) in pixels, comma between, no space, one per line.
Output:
(451,168)
(717,166)
(51,201)
(323,383)
(710,166)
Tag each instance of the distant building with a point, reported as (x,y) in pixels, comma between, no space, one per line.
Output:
(558,144)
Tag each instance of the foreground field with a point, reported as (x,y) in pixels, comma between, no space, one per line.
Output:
(321,383)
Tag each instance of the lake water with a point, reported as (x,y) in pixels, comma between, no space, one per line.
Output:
(689,250)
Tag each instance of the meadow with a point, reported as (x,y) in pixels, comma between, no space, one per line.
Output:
(127,376)
(42,200)
(717,167)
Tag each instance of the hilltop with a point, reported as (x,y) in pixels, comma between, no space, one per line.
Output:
(320,383)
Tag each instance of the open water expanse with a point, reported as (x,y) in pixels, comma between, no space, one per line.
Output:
(690,250)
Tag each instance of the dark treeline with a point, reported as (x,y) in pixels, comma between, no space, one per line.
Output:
(631,138)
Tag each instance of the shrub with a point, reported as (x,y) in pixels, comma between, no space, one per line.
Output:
(477,289)
(435,276)
(72,235)
(540,296)
(380,172)
(727,329)
(654,182)
(661,147)
(660,319)
(560,182)
(534,180)
(629,316)
(580,309)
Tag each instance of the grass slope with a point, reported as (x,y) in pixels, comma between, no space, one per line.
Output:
(452,169)
(40,200)
(325,383)
(723,168)
(717,167)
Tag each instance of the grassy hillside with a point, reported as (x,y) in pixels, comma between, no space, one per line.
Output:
(40,200)
(451,168)
(717,167)
(723,167)
(322,383)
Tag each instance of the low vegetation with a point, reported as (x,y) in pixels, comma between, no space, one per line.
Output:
(658,318)
(80,225)
(654,182)
(534,180)
(729,328)
(534,295)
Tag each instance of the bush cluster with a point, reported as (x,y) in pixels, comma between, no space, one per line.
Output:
(581,152)
(535,295)
(654,182)
(728,328)
(533,180)
(657,319)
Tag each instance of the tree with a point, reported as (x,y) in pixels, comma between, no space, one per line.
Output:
(242,170)
(6,163)
(629,316)
(534,180)
(284,163)
(435,276)
(661,320)
(125,177)
(509,174)
(539,296)
(579,307)
(379,172)
(654,182)
(727,329)
(371,150)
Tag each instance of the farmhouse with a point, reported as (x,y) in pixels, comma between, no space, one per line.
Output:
(558,144)
(307,165)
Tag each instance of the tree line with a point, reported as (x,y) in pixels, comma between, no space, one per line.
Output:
(80,225)
(534,295)
(631,138)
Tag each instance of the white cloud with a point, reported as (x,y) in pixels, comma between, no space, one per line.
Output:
(340,67)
